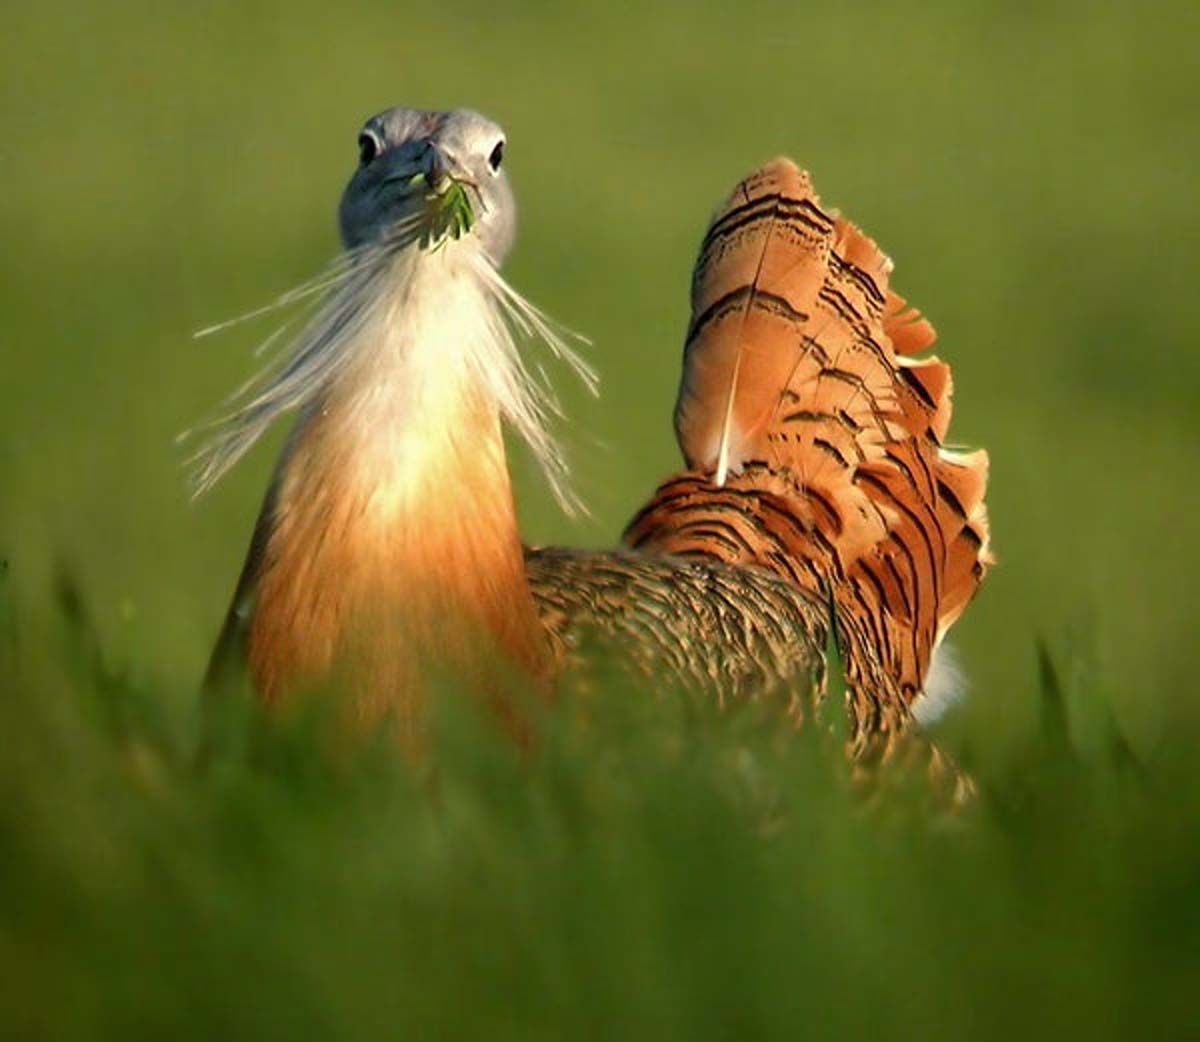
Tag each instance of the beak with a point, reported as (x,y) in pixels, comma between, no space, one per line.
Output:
(420,168)
(436,169)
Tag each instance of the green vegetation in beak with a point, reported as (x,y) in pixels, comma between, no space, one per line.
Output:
(449,211)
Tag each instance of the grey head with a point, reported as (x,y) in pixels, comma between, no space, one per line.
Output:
(409,159)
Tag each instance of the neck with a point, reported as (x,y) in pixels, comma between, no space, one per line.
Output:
(390,535)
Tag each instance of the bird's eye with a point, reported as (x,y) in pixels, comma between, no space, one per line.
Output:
(368,146)
(497,156)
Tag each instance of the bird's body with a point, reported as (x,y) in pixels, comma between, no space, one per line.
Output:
(816,488)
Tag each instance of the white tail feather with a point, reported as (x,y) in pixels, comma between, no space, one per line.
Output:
(945,686)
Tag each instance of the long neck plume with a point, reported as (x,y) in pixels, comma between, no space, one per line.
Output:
(389,534)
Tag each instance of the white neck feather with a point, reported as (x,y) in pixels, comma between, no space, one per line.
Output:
(408,403)
(424,321)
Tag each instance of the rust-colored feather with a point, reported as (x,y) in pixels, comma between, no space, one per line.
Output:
(813,434)
(760,266)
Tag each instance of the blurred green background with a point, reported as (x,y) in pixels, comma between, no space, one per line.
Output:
(1031,168)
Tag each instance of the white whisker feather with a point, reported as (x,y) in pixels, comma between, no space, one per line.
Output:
(362,297)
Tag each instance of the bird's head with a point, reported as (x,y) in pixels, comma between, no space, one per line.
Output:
(431,177)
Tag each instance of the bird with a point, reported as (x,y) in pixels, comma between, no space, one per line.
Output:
(819,510)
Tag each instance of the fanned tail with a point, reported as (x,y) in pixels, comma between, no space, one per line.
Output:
(814,434)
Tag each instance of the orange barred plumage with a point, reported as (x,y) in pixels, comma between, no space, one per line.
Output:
(815,439)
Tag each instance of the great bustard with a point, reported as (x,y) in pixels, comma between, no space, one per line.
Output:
(817,486)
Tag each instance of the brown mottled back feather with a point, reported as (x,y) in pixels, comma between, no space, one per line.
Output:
(717,628)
